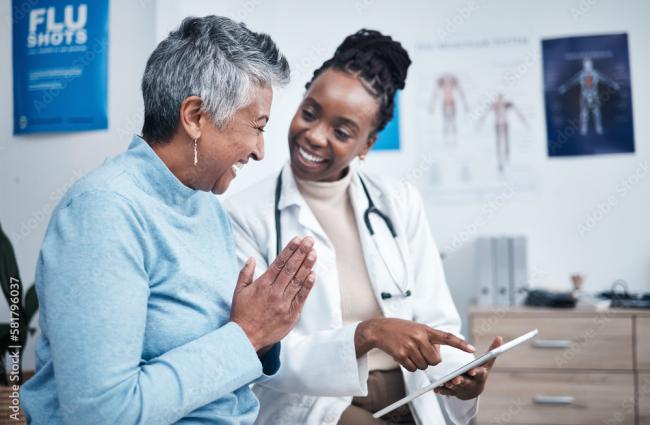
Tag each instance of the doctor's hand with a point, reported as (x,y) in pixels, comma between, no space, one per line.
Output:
(268,308)
(471,384)
(413,345)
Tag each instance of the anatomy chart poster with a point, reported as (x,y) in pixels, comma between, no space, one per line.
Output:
(478,120)
(588,95)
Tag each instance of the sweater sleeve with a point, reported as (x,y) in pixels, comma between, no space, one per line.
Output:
(94,290)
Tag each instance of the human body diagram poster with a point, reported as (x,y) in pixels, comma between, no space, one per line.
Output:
(588,96)
(477,112)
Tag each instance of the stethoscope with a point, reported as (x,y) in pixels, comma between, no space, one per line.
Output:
(372,209)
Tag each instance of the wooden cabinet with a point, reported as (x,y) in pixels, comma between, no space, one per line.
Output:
(643,343)
(643,397)
(584,367)
(578,343)
(558,398)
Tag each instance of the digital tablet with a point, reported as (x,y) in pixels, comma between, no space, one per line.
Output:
(461,370)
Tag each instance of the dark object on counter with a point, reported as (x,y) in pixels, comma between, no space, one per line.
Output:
(621,298)
(630,304)
(544,298)
(618,292)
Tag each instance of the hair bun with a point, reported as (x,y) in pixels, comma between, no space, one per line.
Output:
(376,52)
(381,62)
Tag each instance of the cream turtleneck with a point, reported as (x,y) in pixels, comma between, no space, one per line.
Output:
(330,203)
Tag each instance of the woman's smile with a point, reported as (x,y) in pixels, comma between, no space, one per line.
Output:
(236,168)
(307,159)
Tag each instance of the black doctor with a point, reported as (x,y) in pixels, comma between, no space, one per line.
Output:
(387,336)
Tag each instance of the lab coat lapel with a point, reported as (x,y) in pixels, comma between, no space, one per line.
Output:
(290,196)
(324,304)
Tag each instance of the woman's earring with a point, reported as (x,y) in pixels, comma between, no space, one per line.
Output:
(196,153)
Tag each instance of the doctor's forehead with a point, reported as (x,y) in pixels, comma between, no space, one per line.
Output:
(340,93)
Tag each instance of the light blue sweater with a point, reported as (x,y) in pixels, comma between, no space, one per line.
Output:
(135,281)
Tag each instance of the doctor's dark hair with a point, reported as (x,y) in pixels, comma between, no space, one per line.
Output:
(379,61)
(212,57)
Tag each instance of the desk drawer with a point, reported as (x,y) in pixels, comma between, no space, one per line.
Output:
(643,342)
(587,342)
(558,398)
(644,398)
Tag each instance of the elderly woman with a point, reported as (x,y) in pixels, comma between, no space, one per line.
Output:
(138,269)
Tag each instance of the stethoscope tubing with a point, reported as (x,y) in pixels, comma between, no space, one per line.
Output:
(371,209)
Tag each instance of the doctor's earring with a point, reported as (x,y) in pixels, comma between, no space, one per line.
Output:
(196,152)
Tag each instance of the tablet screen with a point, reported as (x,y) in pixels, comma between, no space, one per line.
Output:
(461,370)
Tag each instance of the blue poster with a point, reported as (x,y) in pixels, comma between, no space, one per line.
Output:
(60,64)
(388,139)
(588,95)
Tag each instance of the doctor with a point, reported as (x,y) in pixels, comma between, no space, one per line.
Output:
(380,318)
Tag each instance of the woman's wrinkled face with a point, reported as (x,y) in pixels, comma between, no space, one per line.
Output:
(334,123)
(223,152)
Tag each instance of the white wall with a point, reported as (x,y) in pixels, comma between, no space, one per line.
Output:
(570,190)
(35,170)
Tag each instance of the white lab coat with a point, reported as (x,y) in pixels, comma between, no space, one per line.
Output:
(320,372)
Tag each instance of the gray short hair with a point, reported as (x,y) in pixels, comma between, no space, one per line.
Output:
(212,57)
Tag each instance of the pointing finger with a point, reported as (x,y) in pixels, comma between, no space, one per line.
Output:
(447,338)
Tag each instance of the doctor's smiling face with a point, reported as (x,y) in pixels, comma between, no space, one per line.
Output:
(335,122)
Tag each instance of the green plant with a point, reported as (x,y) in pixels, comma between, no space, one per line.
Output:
(26,308)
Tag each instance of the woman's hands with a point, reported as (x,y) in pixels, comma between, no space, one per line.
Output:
(471,384)
(411,344)
(269,307)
